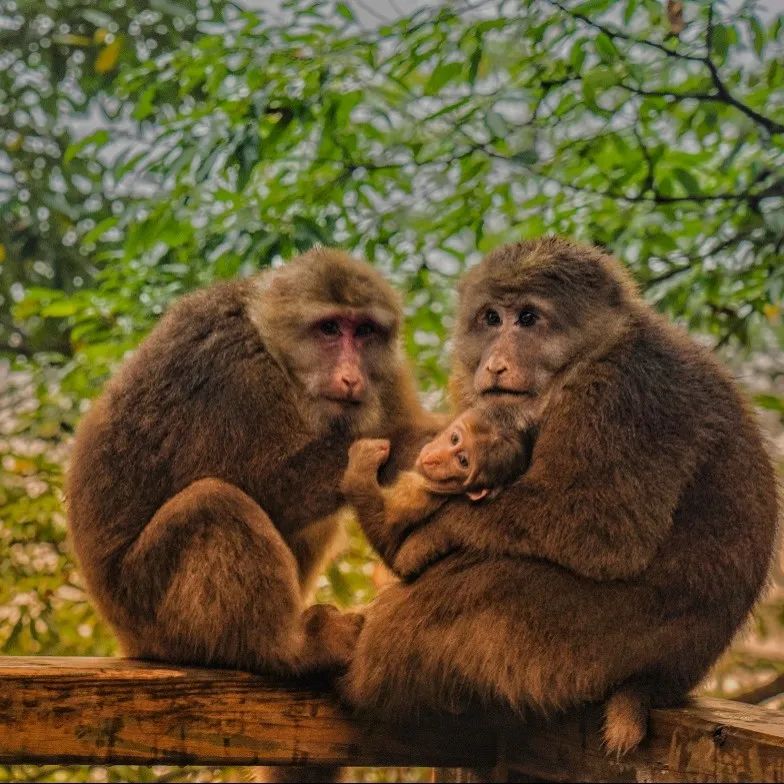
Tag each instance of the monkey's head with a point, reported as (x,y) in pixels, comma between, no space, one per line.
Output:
(527,313)
(332,323)
(476,454)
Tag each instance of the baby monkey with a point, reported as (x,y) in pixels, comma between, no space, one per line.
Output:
(476,455)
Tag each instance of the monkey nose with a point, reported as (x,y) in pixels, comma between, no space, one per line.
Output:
(352,384)
(496,366)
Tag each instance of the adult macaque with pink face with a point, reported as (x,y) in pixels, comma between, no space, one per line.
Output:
(204,481)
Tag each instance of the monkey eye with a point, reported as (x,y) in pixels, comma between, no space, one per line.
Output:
(463,460)
(330,327)
(492,317)
(455,437)
(365,329)
(527,318)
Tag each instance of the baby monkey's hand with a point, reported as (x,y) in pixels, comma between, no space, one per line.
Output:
(368,454)
(365,457)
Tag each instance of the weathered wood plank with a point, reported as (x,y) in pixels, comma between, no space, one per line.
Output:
(113,711)
(107,711)
(707,740)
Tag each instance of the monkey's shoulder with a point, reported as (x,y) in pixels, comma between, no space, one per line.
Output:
(221,309)
(658,366)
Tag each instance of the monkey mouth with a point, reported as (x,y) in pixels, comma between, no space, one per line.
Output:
(344,401)
(501,392)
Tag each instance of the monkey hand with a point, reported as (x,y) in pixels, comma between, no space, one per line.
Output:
(365,457)
(422,547)
(368,454)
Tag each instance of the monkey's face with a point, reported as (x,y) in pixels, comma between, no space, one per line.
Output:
(332,322)
(527,313)
(451,461)
(342,360)
(513,347)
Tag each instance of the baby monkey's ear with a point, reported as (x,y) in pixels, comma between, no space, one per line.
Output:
(485,492)
(478,495)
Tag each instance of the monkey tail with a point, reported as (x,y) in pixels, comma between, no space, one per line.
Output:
(625,720)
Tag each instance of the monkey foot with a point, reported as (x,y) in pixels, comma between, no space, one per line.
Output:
(331,637)
(625,723)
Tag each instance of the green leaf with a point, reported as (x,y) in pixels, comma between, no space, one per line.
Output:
(606,48)
(442,74)
(595,80)
(345,11)
(757,35)
(529,156)
(474,62)
(98,138)
(497,125)
(688,181)
(770,402)
(100,229)
(60,309)
(723,37)
(577,56)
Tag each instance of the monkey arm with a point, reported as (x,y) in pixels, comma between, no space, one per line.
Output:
(408,501)
(387,513)
(386,510)
(599,496)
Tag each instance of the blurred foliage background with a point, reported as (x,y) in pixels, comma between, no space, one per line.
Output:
(150,147)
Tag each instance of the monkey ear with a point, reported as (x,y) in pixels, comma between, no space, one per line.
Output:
(477,495)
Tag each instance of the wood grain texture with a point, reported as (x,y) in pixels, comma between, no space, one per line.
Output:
(707,740)
(111,711)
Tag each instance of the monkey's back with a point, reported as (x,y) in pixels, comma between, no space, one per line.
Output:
(683,610)
(724,524)
(187,404)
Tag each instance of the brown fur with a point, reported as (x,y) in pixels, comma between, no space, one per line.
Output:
(203,485)
(631,551)
(497,453)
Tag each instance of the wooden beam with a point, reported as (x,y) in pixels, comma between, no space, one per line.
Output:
(119,711)
(707,740)
(112,711)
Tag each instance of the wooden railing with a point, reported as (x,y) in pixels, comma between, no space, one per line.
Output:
(117,711)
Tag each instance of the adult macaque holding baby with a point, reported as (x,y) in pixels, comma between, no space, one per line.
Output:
(623,561)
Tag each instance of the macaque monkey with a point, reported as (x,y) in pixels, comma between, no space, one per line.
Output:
(475,455)
(203,486)
(621,564)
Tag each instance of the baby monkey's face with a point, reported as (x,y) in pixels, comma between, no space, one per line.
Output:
(451,462)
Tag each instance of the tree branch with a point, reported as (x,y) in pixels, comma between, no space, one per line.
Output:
(612,33)
(722,94)
(761,693)
(650,174)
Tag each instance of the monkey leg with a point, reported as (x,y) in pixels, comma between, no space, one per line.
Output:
(211,581)
(513,632)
